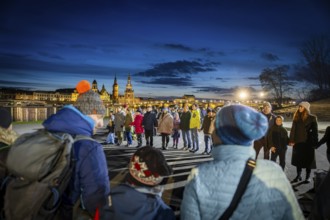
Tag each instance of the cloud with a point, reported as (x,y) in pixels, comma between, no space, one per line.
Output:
(175,81)
(252,78)
(49,55)
(178,47)
(180,67)
(184,48)
(269,57)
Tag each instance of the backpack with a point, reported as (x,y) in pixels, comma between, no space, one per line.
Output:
(40,165)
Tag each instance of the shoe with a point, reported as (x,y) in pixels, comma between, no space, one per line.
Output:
(308,180)
(297,179)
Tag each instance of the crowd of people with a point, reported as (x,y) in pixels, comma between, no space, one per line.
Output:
(233,136)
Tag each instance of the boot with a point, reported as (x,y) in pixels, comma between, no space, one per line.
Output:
(176,146)
(163,146)
(308,178)
(297,179)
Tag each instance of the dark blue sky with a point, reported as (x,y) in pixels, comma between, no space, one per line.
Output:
(171,48)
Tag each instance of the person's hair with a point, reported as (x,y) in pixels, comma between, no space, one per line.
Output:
(300,115)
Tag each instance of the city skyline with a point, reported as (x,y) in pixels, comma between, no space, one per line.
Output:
(170,48)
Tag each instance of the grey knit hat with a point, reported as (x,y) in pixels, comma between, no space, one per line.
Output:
(90,103)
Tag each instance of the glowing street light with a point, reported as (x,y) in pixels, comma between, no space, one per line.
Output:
(242,94)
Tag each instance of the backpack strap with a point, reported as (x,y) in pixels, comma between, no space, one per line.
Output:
(249,166)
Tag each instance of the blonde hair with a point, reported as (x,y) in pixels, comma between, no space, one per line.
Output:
(303,115)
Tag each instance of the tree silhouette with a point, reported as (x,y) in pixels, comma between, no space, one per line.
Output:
(276,82)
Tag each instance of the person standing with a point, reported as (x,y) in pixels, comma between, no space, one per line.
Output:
(208,128)
(119,124)
(262,142)
(165,126)
(278,141)
(137,123)
(195,124)
(149,123)
(185,127)
(212,185)
(176,130)
(325,139)
(128,127)
(90,181)
(303,139)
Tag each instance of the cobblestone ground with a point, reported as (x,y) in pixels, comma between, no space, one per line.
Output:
(183,161)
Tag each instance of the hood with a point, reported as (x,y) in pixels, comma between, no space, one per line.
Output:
(70,120)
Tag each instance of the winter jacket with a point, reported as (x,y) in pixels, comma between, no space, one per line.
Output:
(90,181)
(165,124)
(278,137)
(149,121)
(211,187)
(119,121)
(137,123)
(325,139)
(208,124)
(304,135)
(195,120)
(128,121)
(128,203)
(185,121)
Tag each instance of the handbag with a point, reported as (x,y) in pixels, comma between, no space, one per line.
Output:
(245,178)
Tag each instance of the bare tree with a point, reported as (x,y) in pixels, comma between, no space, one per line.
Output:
(316,53)
(276,82)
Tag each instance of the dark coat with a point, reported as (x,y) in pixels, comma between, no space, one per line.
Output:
(185,121)
(325,139)
(304,135)
(278,137)
(149,121)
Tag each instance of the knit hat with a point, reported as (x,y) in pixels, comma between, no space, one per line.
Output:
(5,118)
(266,104)
(88,102)
(148,167)
(306,105)
(240,125)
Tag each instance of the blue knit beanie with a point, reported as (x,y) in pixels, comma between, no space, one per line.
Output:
(240,125)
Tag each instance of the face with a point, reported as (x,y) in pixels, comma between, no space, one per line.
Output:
(267,109)
(301,108)
(98,119)
(278,121)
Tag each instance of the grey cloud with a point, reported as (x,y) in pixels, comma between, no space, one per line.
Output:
(269,57)
(175,81)
(174,69)
(49,55)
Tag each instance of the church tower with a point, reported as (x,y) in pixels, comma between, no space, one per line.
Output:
(129,92)
(94,86)
(115,91)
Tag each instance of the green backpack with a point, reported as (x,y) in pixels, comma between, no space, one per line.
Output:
(40,165)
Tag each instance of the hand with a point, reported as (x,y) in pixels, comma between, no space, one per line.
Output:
(273,149)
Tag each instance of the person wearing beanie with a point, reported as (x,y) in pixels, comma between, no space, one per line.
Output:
(262,142)
(212,185)
(140,197)
(7,137)
(90,180)
(165,127)
(149,123)
(325,139)
(303,139)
